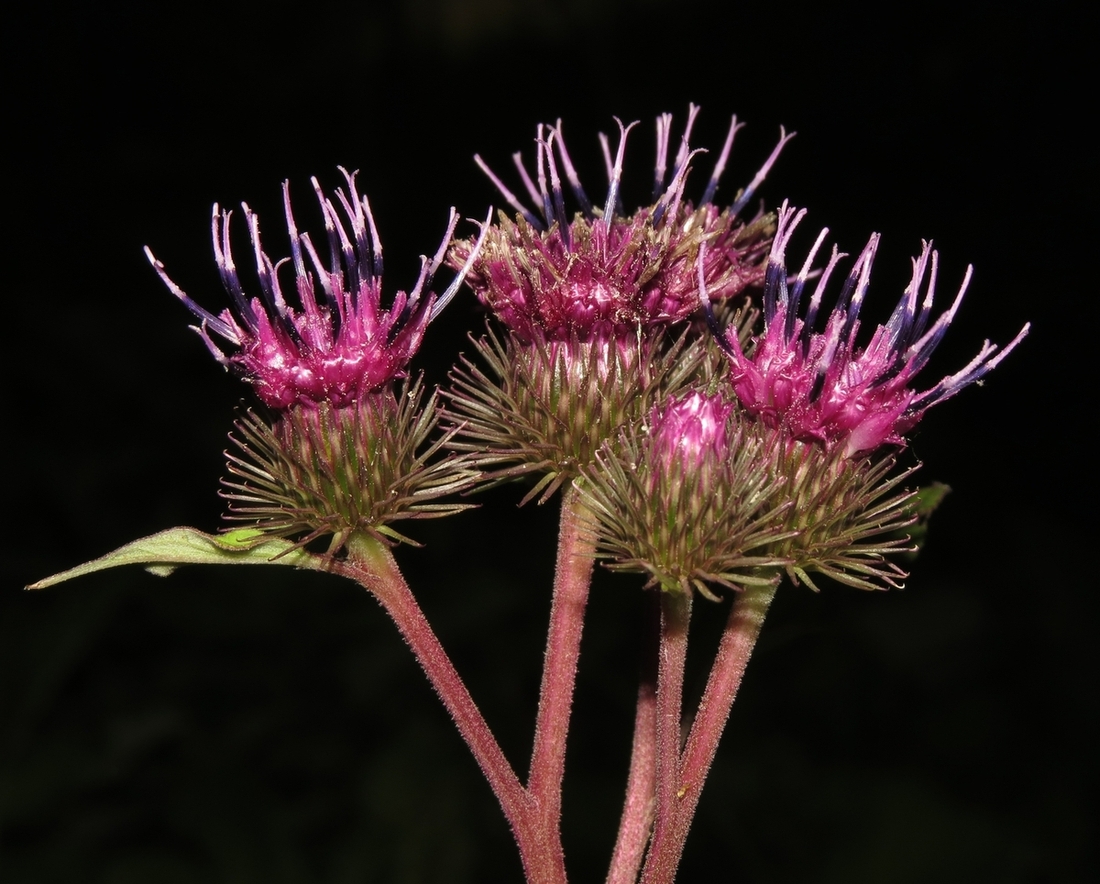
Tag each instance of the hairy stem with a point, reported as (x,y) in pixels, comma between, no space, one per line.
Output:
(675,619)
(372,565)
(638,809)
(738,640)
(572,578)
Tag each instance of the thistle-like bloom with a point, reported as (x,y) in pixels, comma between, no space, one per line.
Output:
(335,349)
(603,273)
(816,383)
(349,449)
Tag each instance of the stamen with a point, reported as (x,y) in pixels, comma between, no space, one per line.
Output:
(223,257)
(664,131)
(452,222)
(525,177)
(555,190)
(605,146)
(930,295)
(919,354)
(864,262)
(324,275)
(612,205)
(775,277)
(540,166)
(453,288)
(900,323)
(720,166)
(207,318)
(509,197)
(819,291)
(354,211)
(292,229)
(571,173)
(670,203)
(682,153)
(720,337)
(800,281)
(264,270)
(375,245)
(746,195)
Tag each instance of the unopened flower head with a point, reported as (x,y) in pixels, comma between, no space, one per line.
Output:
(603,273)
(691,429)
(337,345)
(815,383)
(689,498)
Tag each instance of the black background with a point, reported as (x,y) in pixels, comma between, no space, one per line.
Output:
(243,725)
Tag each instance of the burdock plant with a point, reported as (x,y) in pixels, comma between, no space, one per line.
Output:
(623,367)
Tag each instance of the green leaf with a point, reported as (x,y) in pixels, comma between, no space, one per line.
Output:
(162,553)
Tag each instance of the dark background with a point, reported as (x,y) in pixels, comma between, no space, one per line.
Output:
(233,725)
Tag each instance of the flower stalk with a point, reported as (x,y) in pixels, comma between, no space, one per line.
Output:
(681,793)
(371,564)
(638,809)
(572,579)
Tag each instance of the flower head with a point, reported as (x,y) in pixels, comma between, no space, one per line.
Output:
(689,497)
(604,273)
(816,383)
(332,349)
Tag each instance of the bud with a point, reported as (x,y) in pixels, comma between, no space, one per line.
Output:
(689,498)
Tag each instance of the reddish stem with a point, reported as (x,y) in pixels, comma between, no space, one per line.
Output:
(372,565)
(675,618)
(572,578)
(742,629)
(638,809)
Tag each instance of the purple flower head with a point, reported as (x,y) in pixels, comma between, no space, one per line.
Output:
(336,348)
(815,382)
(605,273)
(691,429)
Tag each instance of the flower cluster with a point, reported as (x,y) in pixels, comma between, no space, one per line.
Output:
(696,471)
(813,413)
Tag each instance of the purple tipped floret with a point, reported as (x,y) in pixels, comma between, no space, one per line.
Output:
(338,344)
(817,384)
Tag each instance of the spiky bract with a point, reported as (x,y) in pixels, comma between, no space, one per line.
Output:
(323,470)
(546,407)
(846,515)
